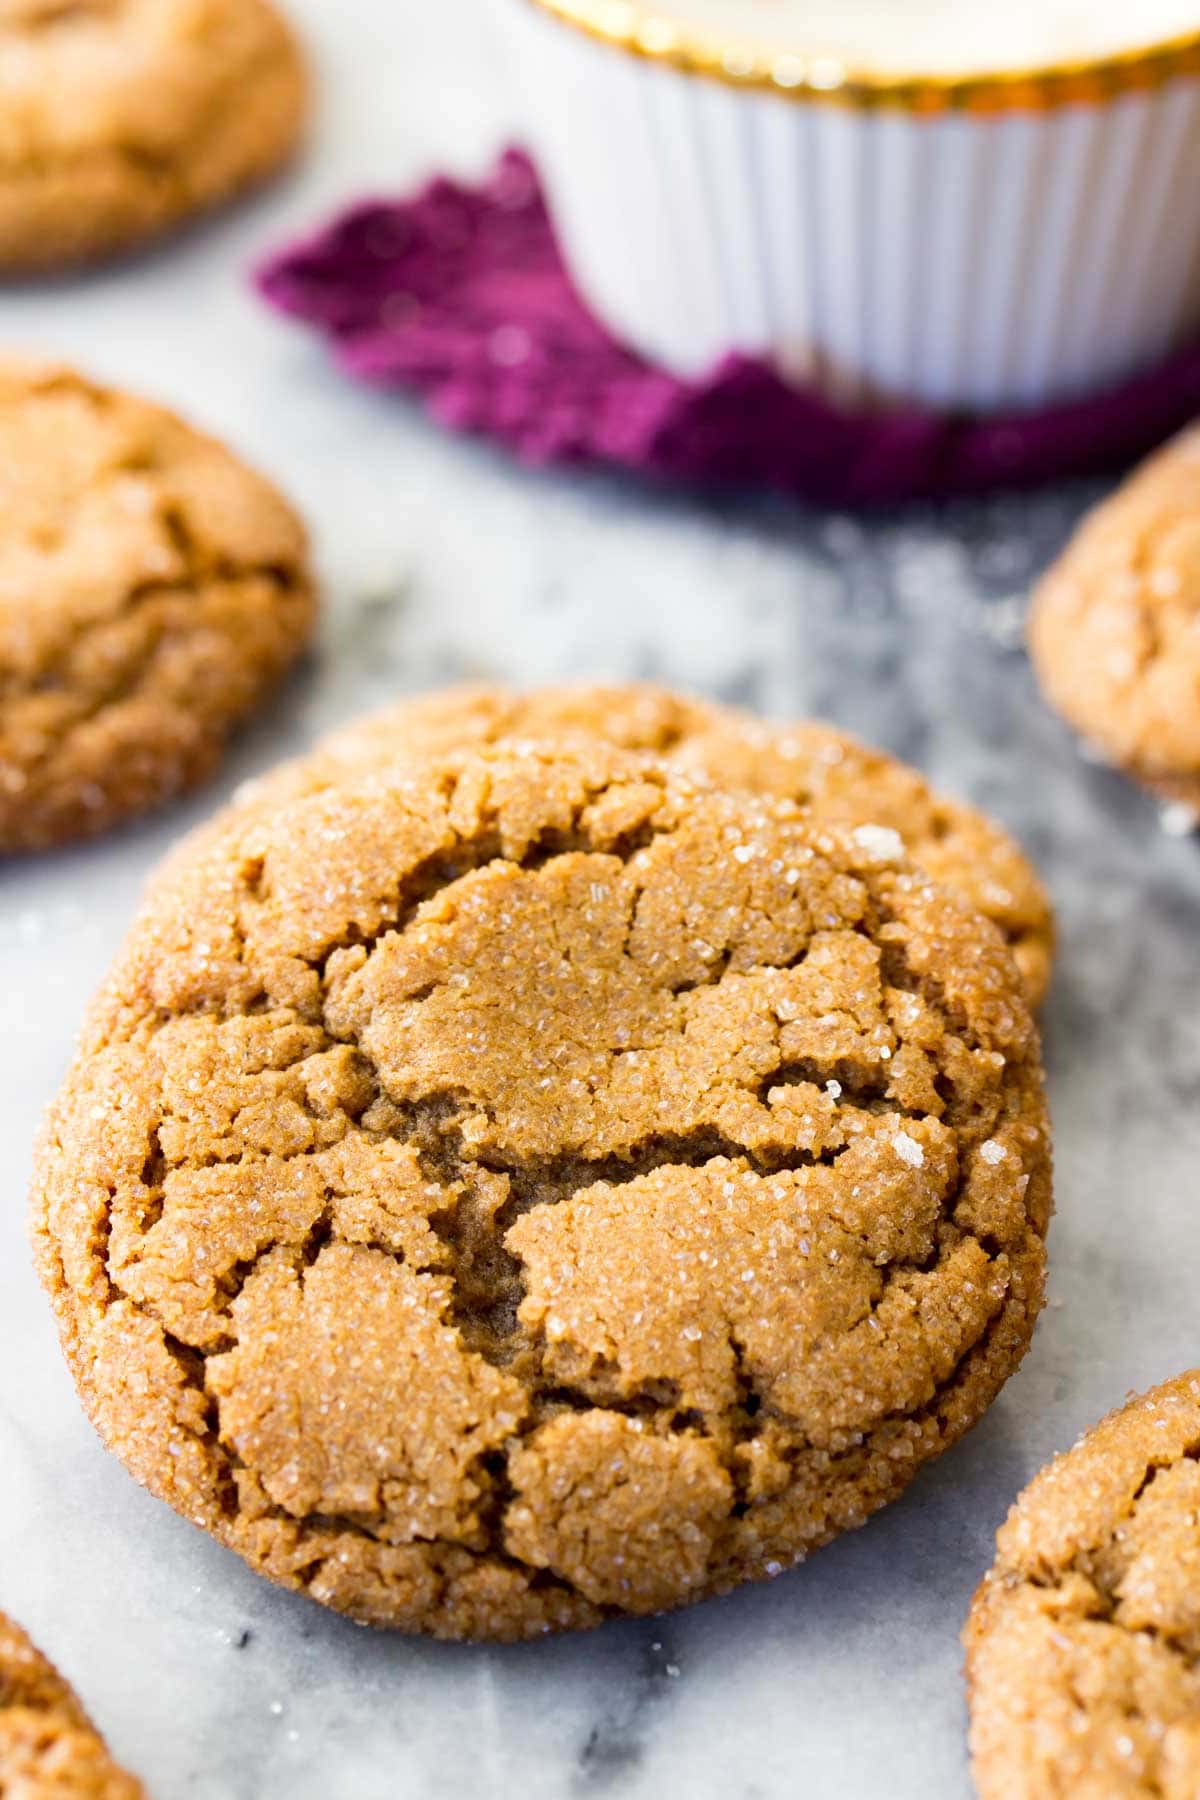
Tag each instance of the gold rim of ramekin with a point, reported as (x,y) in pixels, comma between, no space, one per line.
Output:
(635,27)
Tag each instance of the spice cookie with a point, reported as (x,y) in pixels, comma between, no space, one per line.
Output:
(539,1186)
(1115,626)
(152,590)
(1083,1643)
(48,1748)
(839,779)
(121,118)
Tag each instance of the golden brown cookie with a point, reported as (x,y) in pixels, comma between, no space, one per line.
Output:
(840,780)
(1083,1643)
(1115,627)
(536,1186)
(152,591)
(121,118)
(48,1748)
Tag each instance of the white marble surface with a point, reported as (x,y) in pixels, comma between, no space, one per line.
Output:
(442,562)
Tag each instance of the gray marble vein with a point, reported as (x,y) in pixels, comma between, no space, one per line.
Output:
(443,562)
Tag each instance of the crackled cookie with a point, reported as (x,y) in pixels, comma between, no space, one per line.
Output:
(152,591)
(839,779)
(48,1748)
(540,1186)
(1115,626)
(1083,1643)
(121,118)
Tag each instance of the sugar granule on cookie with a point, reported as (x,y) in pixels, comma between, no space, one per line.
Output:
(835,777)
(489,1203)
(153,591)
(1115,628)
(49,1749)
(123,118)
(1083,1642)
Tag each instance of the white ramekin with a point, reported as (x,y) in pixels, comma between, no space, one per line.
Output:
(986,243)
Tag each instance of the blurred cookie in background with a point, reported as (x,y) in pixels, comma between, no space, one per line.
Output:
(48,1747)
(119,119)
(1115,627)
(152,591)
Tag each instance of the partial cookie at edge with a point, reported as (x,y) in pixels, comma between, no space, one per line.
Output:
(1083,1642)
(48,1747)
(1114,630)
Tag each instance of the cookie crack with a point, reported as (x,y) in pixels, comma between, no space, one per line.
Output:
(553,1180)
(467,854)
(853,1454)
(488,1280)
(1086,1565)
(847,1082)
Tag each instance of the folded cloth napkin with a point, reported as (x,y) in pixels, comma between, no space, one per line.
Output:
(460,296)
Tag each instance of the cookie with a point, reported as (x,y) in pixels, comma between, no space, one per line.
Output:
(122,118)
(152,591)
(537,1186)
(1115,627)
(48,1748)
(839,779)
(1083,1643)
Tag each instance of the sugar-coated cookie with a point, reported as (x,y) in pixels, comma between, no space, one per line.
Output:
(535,1185)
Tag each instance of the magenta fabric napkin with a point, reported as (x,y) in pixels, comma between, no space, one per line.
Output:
(458,294)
